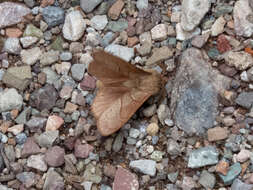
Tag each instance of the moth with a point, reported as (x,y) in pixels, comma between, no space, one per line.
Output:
(123,88)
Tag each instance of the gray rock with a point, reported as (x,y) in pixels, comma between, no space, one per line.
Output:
(192,13)
(203,157)
(10,99)
(27,178)
(12,13)
(77,71)
(53,181)
(12,45)
(107,39)
(239,185)
(53,15)
(134,133)
(242,20)
(93,39)
(52,76)
(1,74)
(23,116)
(185,35)
(99,22)
(118,26)
(18,77)
(30,56)
(207,180)
(29,3)
(240,60)
(142,4)
(36,123)
(88,5)
(66,56)
(121,51)
(194,97)
(173,148)
(49,57)
(250,74)
(21,138)
(160,54)
(147,167)
(245,99)
(47,138)
(163,113)
(92,173)
(117,144)
(28,41)
(149,111)
(173,176)
(74,26)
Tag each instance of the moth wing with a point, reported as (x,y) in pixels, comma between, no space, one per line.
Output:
(113,107)
(111,69)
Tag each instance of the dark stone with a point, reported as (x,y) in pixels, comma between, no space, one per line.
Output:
(53,15)
(245,99)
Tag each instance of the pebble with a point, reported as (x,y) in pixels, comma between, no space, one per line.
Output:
(53,16)
(152,129)
(123,52)
(200,40)
(12,14)
(223,44)
(30,148)
(74,26)
(159,32)
(77,71)
(30,56)
(92,173)
(217,133)
(245,99)
(10,99)
(222,167)
(117,26)
(233,172)
(163,113)
(12,46)
(192,13)
(53,179)
(203,157)
(88,5)
(147,167)
(37,162)
(142,4)
(188,183)
(243,155)
(27,178)
(66,56)
(184,35)
(115,9)
(32,31)
(207,179)
(150,111)
(157,155)
(173,148)
(54,122)
(134,133)
(16,129)
(160,54)
(54,156)
(125,180)
(238,184)
(99,22)
(51,76)
(218,26)
(83,150)
(49,57)
(47,138)
(21,138)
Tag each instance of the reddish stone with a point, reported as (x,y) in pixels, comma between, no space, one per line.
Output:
(70,143)
(13,32)
(70,107)
(227,70)
(223,44)
(222,167)
(45,3)
(125,180)
(82,150)
(55,156)
(54,122)
(30,148)
(88,83)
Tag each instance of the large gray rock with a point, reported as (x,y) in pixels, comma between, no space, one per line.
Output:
(192,13)
(195,91)
(144,166)
(242,14)
(10,99)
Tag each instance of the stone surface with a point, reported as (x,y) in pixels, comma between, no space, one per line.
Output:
(53,180)
(192,13)
(74,26)
(12,46)
(32,31)
(159,32)
(217,133)
(245,99)
(12,13)
(240,60)
(53,15)
(47,138)
(207,180)
(117,26)
(147,167)
(27,178)
(99,22)
(10,99)
(28,41)
(83,150)
(203,157)
(115,9)
(243,155)
(18,77)
(233,172)
(184,35)
(125,180)
(194,95)
(37,162)
(49,57)
(77,71)
(54,156)
(54,122)
(242,25)
(88,5)
(218,26)
(30,148)
(239,185)
(159,55)
(30,56)
(121,51)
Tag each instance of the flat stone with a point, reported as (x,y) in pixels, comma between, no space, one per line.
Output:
(194,99)
(18,77)
(147,167)
(192,13)
(54,122)
(30,148)
(234,172)
(37,162)
(159,55)
(245,99)
(10,99)
(121,51)
(242,23)
(217,133)
(53,15)
(74,26)
(30,56)
(54,156)
(88,5)
(203,157)
(12,13)
(99,22)
(125,180)
(12,46)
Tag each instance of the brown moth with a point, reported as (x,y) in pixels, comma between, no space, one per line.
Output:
(123,89)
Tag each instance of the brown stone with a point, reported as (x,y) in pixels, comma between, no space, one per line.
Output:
(109,170)
(132,41)
(115,9)
(88,83)
(45,3)
(42,78)
(13,32)
(125,180)
(4,126)
(217,133)
(54,122)
(223,44)
(222,167)
(70,107)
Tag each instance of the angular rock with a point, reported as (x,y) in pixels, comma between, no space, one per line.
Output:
(218,26)
(88,5)
(99,22)
(207,180)
(147,167)
(47,138)
(53,181)
(54,156)
(234,172)
(33,31)
(44,98)
(12,46)
(36,124)
(217,133)
(159,32)
(88,83)
(121,51)
(118,26)
(48,58)
(27,178)
(28,41)
(203,157)
(92,173)
(240,60)
(37,162)
(30,148)
(184,35)
(12,13)
(30,56)
(74,26)
(125,180)
(239,185)
(18,77)
(242,18)
(77,71)
(10,99)
(194,98)
(54,122)
(160,54)
(192,13)
(245,99)
(53,15)
(83,150)
(115,9)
